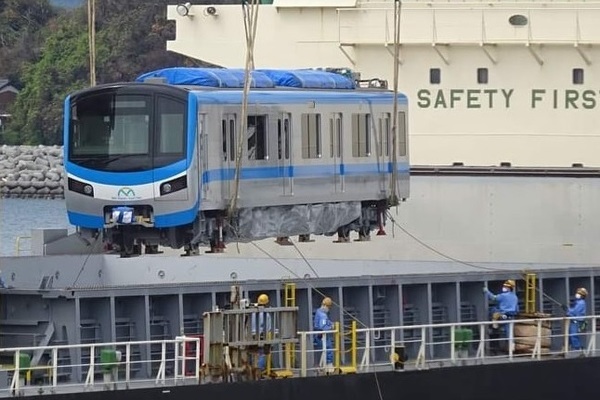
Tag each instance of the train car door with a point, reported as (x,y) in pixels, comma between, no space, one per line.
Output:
(228,156)
(202,155)
(284,153)
(335,151)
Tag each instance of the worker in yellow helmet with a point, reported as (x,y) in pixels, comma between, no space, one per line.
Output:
(578,323)
(322,322)
(507,305)
(261,327)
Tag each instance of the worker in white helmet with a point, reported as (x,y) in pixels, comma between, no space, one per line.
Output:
(577,325)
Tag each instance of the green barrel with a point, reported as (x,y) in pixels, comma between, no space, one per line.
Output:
(24,362)
(108,359)
(462,339)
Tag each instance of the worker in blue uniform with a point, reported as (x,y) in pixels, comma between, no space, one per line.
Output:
(261,327)
(577,325)
(322,322)
(507,307)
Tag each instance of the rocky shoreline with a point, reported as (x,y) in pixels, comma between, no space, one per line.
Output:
(31,172)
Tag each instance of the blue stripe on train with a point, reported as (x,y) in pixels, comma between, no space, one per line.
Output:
(225,174)
(300,171)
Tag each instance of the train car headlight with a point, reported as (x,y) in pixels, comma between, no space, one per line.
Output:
(80,187)
(174,185)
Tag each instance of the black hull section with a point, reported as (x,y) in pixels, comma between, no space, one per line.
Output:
(548,380)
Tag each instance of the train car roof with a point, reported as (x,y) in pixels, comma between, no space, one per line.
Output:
(288,96)
(260,78)
(274,95)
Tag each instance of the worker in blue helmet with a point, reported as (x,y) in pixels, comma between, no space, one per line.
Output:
(322,322)
(577,325)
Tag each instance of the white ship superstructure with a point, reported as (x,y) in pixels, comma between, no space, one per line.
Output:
(488,82)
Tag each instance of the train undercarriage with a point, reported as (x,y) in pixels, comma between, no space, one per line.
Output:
(216,228)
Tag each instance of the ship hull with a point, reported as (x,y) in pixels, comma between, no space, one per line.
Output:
(548,380)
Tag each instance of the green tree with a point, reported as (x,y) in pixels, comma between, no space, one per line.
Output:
(61,69)
(21,22)
(130,39)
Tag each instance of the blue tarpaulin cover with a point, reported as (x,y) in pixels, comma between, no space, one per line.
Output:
(308,79)
(212,77)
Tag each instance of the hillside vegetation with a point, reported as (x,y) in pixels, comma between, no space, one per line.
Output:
(44,53)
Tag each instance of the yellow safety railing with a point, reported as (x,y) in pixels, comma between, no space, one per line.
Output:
(530,293)
(351,369)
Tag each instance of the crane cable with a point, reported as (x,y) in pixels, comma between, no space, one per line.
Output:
(91,4)
(250,10)
(394,183)
(466,263)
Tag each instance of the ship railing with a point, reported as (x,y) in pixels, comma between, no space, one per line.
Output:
(447,344)
(175,365)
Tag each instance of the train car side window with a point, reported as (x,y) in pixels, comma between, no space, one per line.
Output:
(233,144)
(384,135)
(335,135)
(311,135)
(401,134)
(287,134)
(283,137)
(224,138)
(257,137)
(361,135)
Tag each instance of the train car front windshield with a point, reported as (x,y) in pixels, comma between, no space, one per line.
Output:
(113,130)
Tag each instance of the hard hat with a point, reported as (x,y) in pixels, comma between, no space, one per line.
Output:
(510,284)
(263,299)
(582,291)
(327,302)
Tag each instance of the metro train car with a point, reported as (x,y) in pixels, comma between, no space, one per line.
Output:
(162,161)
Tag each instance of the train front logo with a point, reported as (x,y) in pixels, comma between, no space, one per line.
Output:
(126,193)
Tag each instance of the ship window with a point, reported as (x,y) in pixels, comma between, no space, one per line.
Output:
(435,76)
(311,135)
(257,137)
(518,20)
(482,75)
(361,135)
(578,76)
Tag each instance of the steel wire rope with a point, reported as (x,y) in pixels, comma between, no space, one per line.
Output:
(89,254)
(250,11)
(393,184)
(466,263)
(301,278)
(316,290)
(91,8)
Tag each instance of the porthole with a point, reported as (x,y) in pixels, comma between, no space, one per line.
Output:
(518,20)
